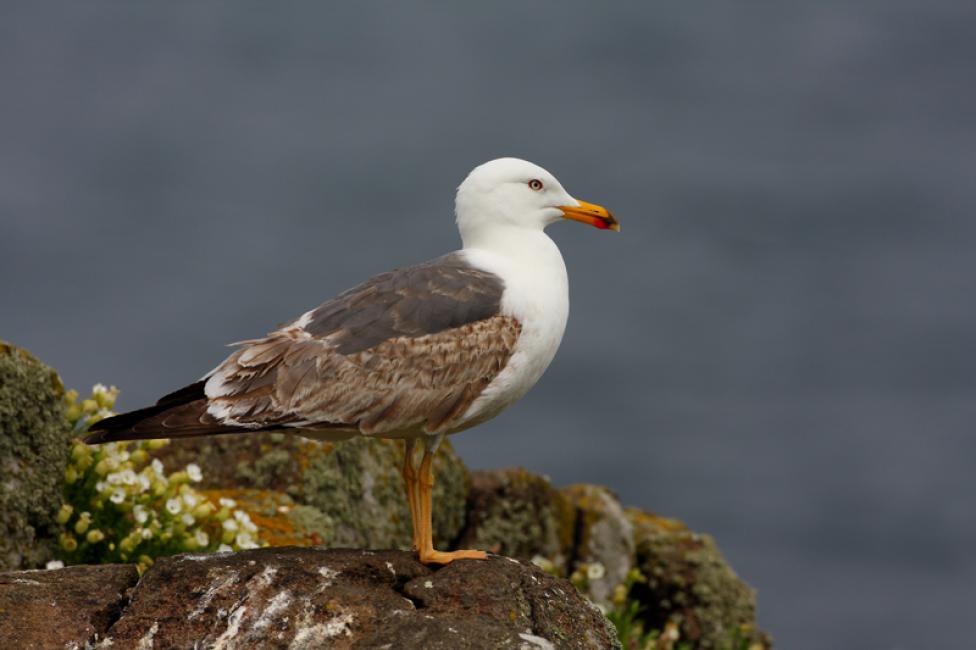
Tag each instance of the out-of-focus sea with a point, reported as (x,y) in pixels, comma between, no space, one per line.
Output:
(779,348)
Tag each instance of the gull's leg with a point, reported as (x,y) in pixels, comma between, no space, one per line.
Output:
(426,483)
(413,493)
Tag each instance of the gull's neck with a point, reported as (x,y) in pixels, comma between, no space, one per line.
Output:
(524,247)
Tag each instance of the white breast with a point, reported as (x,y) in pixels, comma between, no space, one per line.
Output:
(537,294)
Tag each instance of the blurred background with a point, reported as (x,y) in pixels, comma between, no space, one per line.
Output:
(778,349)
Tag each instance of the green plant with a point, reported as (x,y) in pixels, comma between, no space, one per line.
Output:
(120,505)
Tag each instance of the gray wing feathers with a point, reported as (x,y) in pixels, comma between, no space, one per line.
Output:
(408,349)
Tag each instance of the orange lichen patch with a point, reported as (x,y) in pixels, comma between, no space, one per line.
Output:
(270,511)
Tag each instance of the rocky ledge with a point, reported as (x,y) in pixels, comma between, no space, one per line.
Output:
(299,598)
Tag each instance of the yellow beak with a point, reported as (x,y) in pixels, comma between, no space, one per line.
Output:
(595,215)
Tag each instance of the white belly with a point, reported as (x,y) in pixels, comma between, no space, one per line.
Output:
(537,294)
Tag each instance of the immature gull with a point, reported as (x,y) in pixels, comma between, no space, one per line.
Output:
(417,353)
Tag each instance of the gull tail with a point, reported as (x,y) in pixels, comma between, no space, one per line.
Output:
(181,414)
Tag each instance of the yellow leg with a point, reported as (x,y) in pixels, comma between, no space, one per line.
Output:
(411,487)
(426,548)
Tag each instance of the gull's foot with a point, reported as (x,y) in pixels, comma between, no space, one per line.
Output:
(443,557)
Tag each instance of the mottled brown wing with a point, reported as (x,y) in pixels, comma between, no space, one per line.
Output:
(291,379)
(410,348)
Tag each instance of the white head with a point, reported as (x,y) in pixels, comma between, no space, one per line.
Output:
(509,193)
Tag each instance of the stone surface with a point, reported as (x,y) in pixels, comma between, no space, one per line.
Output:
(604,536)
(690,583)
(312,598)
(518,514)
(351,492)
(66,608)
(34,438)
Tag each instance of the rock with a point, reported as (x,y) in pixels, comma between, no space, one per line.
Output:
(604,537)
(34,438)
(519,514)
(691,584)
(351,491)
(65,608)
(311,598)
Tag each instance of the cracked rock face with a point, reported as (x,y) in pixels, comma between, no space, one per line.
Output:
(66,608)
(313,598)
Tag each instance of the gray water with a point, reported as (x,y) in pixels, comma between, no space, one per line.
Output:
(778,348)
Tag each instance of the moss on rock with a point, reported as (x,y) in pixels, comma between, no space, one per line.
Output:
(691,584)
(354,485)
(34,436)
(519,514)
(603,536)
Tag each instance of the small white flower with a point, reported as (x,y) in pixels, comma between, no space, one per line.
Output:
(144,483)
(230,524)
(191,500)
(227,503)
(187,519)
(114,478)
(128,477)
(118,496)
(202,538)
(146,533)
(99,388)
(224,548)
(595,571)
(54,564)
(244,541)
(100,486)
(157,466)
(193,471)
(123,456)
(173,506)
(244,520)
(140,514)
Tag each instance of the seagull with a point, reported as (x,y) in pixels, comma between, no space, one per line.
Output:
(416,354)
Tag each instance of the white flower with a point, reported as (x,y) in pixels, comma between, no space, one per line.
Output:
(140,514)
(100,486)
(128,477)
(224,548)
(173,506)
(146,533)
(595,571)
(113,478)
(230,524)
(202,538)
(227,503)
(244,541)
(187,519)
(193,471)
(118,496)
(54,564)
(191,500)
(144,483)
(123,456)
(244,520)
(157,466)
(99,388)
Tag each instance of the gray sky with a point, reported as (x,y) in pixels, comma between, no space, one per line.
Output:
(777,349)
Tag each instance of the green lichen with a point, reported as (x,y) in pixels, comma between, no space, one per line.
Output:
(359,486)
(519,514)
(34,436)
(691,585)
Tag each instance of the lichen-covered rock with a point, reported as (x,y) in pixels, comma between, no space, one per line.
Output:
(604,538)
(519,514)
(353,490)
(65,608)
(691,584)
(34,436)
(313,598)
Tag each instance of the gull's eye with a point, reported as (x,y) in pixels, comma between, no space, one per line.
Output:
(535,185)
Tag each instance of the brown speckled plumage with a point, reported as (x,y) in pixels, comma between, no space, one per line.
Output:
(408,350)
